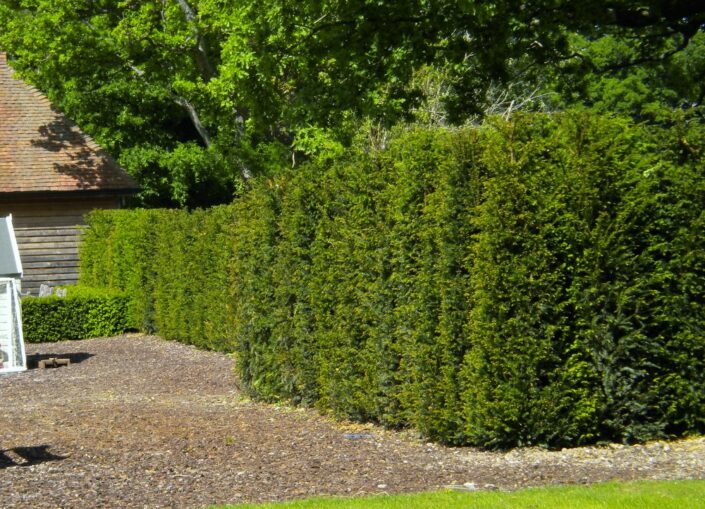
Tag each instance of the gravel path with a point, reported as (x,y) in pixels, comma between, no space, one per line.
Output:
(136,421)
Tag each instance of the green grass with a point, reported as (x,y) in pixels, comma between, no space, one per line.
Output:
(633,495)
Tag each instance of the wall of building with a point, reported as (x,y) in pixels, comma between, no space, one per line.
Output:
(48,232)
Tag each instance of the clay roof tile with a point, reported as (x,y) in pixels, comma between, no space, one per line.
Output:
(42,150)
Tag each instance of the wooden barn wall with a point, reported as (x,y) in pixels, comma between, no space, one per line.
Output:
(48,234)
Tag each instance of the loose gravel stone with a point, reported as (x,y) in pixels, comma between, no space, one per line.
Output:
(136,421)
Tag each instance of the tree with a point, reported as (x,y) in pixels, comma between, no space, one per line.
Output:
(649,92)
(196,96)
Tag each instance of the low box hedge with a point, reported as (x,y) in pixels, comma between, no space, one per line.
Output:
(84,313)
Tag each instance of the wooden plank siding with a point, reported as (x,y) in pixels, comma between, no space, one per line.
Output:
(48,233)
(49,255)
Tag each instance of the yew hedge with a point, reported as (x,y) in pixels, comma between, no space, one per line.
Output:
(538,281)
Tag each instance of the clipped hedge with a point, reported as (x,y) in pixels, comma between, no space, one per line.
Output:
(172,264)
(538,281)
(84,313)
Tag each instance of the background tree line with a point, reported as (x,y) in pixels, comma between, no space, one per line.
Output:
(196,97)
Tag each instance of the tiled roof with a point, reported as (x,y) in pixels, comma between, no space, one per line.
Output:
(41,150)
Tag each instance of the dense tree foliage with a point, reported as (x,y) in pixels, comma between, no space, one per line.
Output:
(648,92)
(195,96)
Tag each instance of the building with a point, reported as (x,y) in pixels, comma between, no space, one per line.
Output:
(51,175)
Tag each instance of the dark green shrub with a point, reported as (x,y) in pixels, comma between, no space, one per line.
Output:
(252,289)
(84,313)
(583,318)
(529,380)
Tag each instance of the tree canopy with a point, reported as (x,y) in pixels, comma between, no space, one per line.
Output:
(196,96)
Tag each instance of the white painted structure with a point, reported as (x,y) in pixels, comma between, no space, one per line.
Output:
(12,355)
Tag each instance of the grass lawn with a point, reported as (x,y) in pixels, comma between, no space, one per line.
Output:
(613,495)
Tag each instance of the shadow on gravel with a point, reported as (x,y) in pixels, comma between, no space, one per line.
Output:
(27,456)
(76,357)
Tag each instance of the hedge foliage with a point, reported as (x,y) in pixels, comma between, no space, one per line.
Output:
(537,281)
(84,313)
(172,265)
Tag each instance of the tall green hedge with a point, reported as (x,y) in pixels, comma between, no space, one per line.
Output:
(539,281)
(173,266)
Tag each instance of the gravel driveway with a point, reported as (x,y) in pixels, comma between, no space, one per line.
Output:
(136,421)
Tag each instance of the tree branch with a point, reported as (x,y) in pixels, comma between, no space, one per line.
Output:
(204,63)
(195,119)
(649,59)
